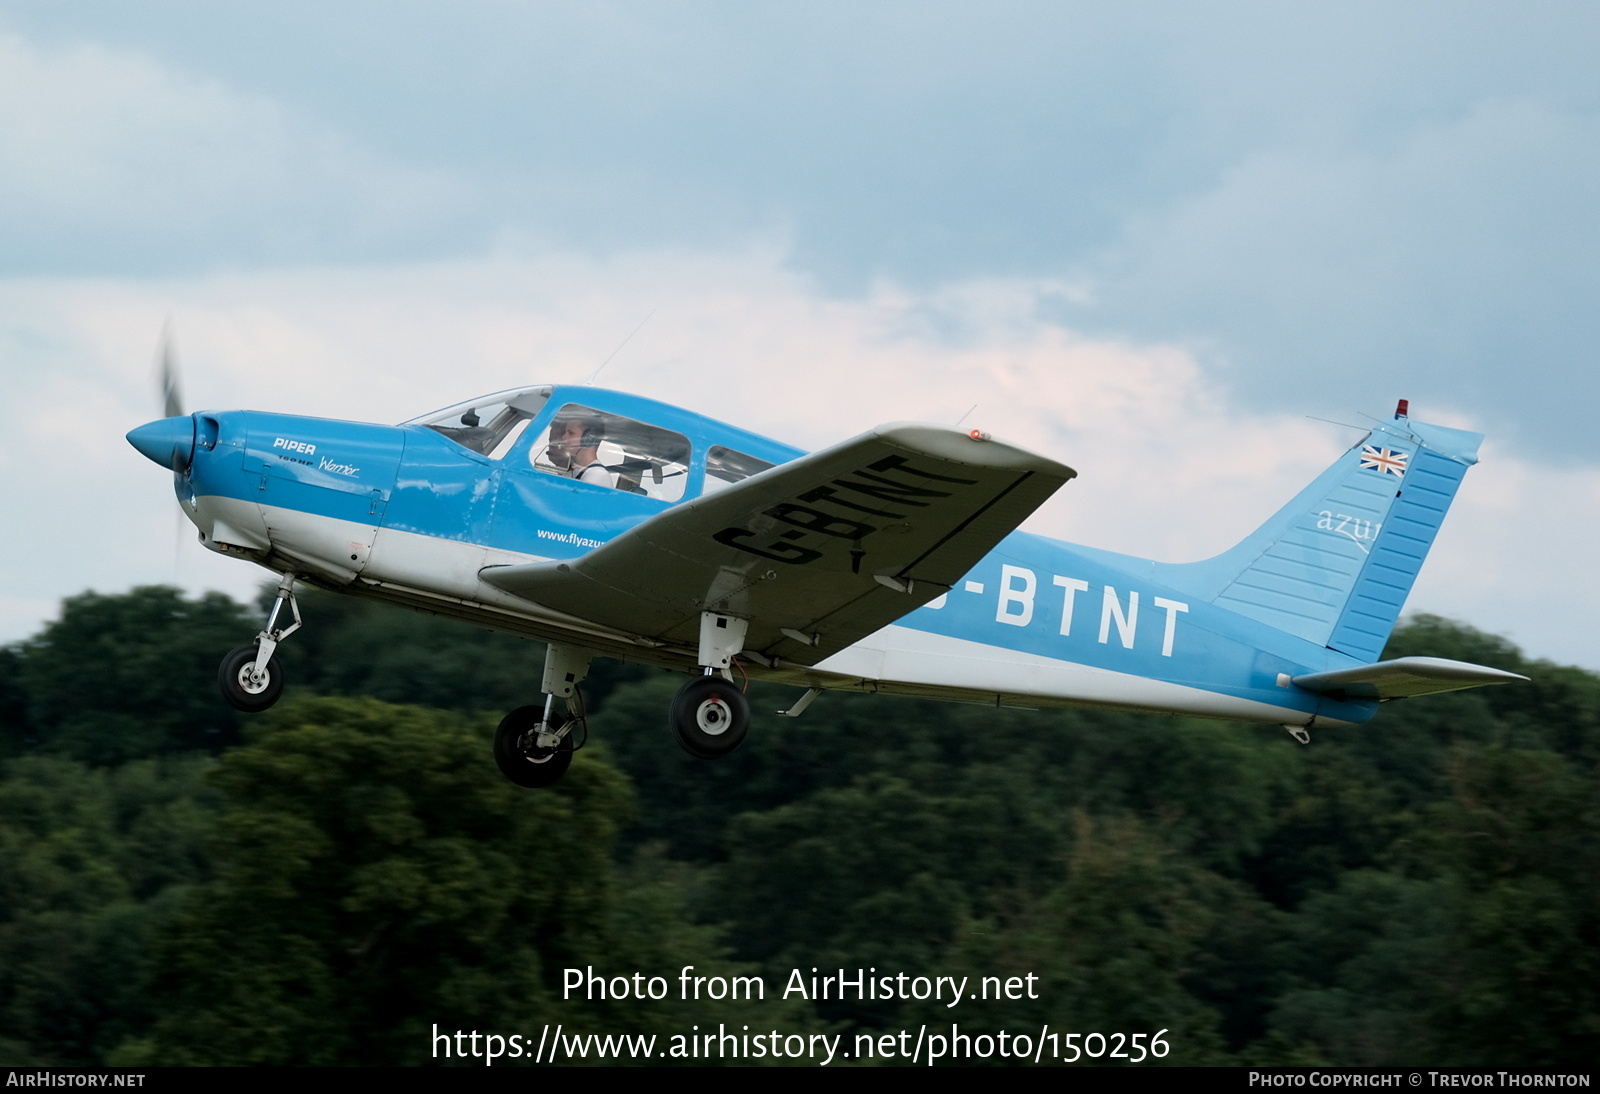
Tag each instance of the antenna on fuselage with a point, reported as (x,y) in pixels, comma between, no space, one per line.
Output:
(964,417)
(618,350)
(1343,425)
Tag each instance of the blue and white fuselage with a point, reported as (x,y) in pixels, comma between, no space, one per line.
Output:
(443,516)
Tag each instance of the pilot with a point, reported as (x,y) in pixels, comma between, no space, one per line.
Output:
(575,449)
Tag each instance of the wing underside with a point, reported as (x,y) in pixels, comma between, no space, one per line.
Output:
(816,553)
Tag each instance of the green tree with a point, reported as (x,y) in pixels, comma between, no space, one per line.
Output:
(122,677)
(1109,947)
(876,873)
(1355,970)
(376,876)
(16,732)
(1519,843)
(92,862)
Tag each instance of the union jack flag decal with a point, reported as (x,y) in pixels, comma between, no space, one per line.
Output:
(1383,460)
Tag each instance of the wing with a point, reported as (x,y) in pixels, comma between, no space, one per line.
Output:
(1404,677)
(816,553)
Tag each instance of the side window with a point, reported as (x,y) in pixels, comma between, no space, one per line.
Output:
(724,467)
(609,450)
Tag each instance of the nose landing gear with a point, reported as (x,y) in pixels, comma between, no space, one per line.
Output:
(248,679)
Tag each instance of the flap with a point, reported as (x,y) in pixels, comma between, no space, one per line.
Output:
(1405,676)
(816,553)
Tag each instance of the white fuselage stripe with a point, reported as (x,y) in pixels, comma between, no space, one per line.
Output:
(896,655)
(903,655)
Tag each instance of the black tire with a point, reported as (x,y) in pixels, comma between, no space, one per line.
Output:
(233,678)
(709,717)
(531,767)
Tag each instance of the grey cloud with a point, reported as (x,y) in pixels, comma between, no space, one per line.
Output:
(1455,270)
(1336,204)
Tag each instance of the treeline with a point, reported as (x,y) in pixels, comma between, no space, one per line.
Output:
(330,881)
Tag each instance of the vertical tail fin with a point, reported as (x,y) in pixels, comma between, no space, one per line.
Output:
(1335,565)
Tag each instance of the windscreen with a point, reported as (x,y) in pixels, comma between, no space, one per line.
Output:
(490,425)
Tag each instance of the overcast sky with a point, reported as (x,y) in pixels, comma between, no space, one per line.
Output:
(1155,241)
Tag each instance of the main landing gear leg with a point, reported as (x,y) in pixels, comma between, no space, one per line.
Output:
(709,717)
(249,680)
(533,744)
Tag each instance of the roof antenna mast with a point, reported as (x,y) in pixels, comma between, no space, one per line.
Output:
(618,350)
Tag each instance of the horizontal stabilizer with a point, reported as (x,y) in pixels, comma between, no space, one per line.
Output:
(1405,676)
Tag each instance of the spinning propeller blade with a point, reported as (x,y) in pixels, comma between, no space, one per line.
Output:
(170,391)
(167,374)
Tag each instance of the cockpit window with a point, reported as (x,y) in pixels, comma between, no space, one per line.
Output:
(491,425)
(724,467)
(609,450)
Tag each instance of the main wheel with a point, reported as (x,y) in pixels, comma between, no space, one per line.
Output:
(709,717)
(523,761)
(242,693)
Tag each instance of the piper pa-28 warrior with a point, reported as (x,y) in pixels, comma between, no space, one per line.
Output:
(608,524)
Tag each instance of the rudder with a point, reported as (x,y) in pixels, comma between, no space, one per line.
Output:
(1402,543)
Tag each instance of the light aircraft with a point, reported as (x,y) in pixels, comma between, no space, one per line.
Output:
(607,524)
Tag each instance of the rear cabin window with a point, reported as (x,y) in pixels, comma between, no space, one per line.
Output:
(609,450)
(725,466)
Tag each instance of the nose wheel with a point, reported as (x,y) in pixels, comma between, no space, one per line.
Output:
(249,679)
(709,717)
(243,687)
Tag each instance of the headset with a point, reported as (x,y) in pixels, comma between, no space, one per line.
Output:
(594,430)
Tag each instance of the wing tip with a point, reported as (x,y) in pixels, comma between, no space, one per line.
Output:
(974,447)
